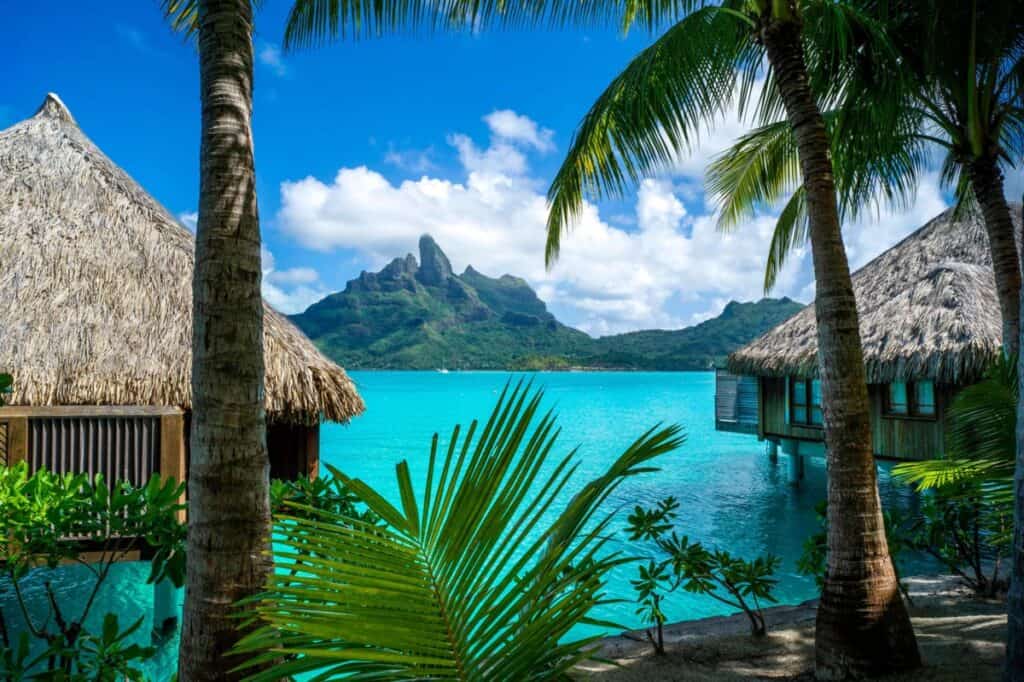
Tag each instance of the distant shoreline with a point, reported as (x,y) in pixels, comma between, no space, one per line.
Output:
(574,370)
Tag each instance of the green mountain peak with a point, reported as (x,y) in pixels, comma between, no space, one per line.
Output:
(420,315)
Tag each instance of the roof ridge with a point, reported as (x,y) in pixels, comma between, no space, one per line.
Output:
(53,107)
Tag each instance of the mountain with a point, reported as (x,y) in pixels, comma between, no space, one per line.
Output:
(421,315)
(696,347)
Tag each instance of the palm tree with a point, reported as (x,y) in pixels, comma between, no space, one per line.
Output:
(228,487)
(955,90)
(481,577)
(704,62)
(637,126)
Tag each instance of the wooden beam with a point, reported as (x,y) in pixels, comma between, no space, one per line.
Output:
(313,452)
(17,440)
(87,411)
(172,449)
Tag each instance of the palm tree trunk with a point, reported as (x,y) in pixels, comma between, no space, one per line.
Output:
(229,509)
(862,624)
(1014,670)
(987,183)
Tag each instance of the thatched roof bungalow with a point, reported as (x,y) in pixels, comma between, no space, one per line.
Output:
(929,323)
(97,317)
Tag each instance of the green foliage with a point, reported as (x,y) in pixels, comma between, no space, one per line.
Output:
(969,537)
(50,520)
(470,579)
(6,386)
(967,521)
(939,76)
(391,319)
(734,581)
(327,494)
(981,433)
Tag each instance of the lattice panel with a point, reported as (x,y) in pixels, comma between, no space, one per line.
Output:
(3,443)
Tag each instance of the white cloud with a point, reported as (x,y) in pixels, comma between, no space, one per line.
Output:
(507,125)
(411,160)
(270,56)
(189,219)
(290,291)
(665,265)
(607,279)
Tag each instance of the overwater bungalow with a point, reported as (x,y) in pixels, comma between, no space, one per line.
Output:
(929,324)
(96,325)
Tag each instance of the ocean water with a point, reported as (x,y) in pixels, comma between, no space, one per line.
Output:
(731,496)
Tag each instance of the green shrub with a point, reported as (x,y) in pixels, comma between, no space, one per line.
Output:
(733,581)
(49,520)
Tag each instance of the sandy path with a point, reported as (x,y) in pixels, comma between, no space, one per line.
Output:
(961,638)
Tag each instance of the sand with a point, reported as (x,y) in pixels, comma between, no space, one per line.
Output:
(960,636)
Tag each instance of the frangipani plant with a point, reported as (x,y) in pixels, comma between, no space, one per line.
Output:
(471,579)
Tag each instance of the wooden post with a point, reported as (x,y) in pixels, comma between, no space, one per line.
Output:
(17,440)
(313,452)
(172,465)
(172,448)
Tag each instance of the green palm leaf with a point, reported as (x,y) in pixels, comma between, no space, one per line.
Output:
(653,111)
(469,580)
(980,441)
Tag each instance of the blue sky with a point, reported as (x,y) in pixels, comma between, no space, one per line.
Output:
(362,146)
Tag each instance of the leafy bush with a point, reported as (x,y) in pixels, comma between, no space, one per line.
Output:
(50,520)
(967,521)
(734,581)
(6,386)
(969,537)
(470,579)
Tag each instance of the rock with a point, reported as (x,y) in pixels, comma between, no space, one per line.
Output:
(434,265)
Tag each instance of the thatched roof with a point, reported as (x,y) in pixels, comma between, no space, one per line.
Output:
(928,310)
(96,283)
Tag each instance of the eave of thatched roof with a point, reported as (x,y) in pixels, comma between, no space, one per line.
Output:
(927,306)
(96,278)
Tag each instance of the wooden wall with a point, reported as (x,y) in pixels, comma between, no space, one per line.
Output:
(892,437)
(907,437)
(773,413)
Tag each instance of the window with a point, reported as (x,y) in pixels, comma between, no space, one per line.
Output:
(898,398)
(910,399)
(924,398)
(805,402)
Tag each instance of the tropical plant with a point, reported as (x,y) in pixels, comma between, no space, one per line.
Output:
(479,577)
(324,493)
(980,440)
(229,505)
(730,580)
(50,520)
(969,537)
(966,521)
(6,386)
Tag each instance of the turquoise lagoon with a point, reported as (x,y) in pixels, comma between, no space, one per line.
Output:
(731,495)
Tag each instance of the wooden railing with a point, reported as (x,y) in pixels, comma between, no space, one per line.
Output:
(122,443)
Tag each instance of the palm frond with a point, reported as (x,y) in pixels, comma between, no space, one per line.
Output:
(652,112)
(469,580)
(791,231)
(980,441)
(757,170)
